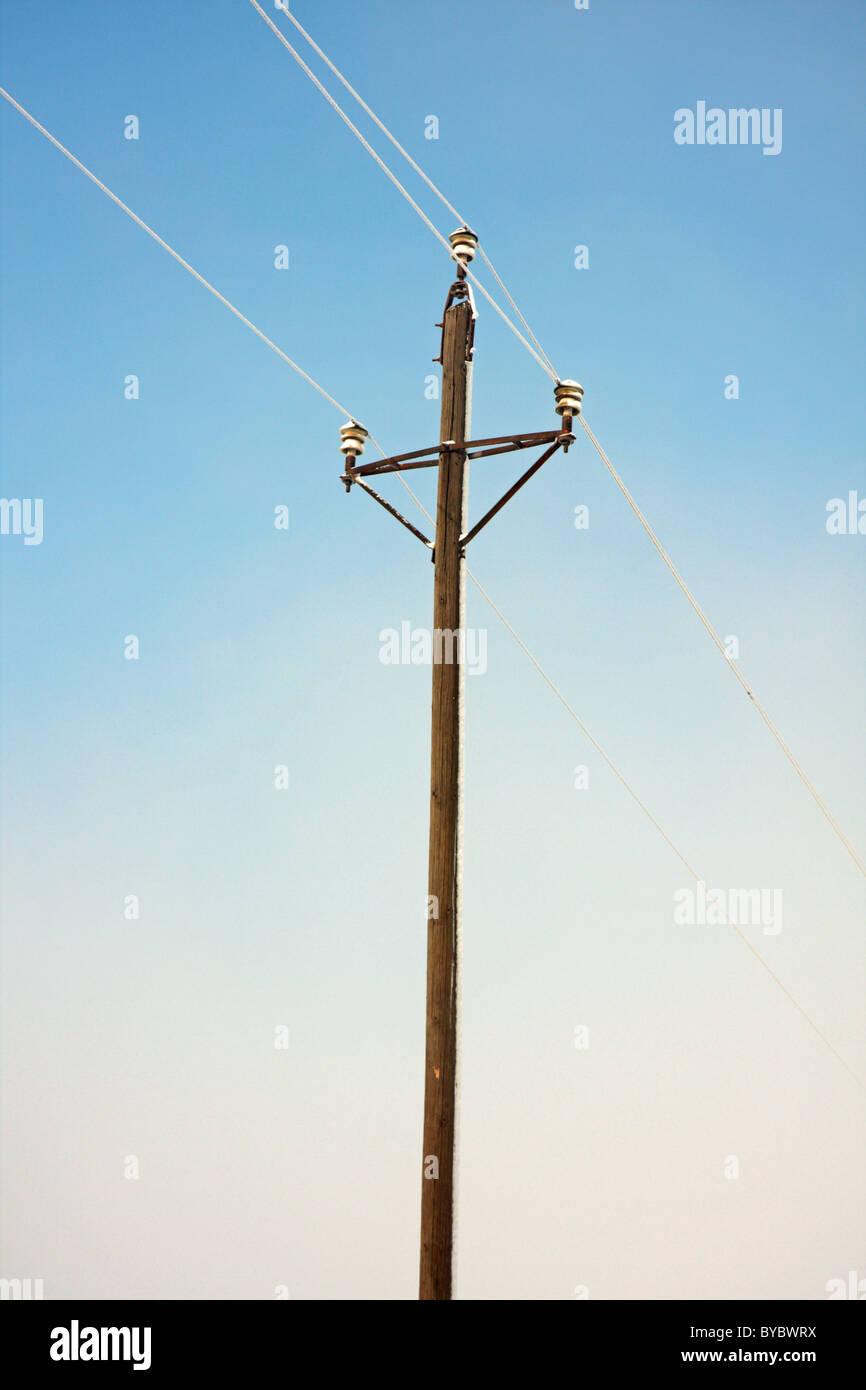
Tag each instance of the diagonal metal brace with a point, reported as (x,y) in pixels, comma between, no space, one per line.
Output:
(388,508)
(479,525)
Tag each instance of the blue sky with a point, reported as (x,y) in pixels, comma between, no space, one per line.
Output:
(260,647)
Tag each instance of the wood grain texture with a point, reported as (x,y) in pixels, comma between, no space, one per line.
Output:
(437,1193)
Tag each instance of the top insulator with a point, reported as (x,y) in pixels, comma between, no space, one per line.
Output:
(463,244)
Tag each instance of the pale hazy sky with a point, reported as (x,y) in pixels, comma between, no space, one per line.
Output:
(259,1167)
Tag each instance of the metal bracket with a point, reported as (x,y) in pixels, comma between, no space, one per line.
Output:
(473,449)
(461,289)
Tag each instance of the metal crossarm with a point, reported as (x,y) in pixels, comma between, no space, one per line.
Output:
(470,449)
(426,458)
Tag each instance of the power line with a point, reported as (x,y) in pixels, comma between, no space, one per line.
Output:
(333,401)
(180,260)
(642,806)
(717,641)
(200,278)
(418,170)
(801,773)
(398,185)
(798,768)
(634,796)
(186,265)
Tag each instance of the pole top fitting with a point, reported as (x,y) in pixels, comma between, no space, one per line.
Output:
(463,245)
(352,439)
(568,396)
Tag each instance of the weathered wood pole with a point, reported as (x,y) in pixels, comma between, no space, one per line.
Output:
(440,1081)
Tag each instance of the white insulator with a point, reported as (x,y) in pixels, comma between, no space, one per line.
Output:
(568,395)
(352,438)
(463,244)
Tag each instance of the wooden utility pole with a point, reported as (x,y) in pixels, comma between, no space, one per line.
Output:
(451,455)
(446,763)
